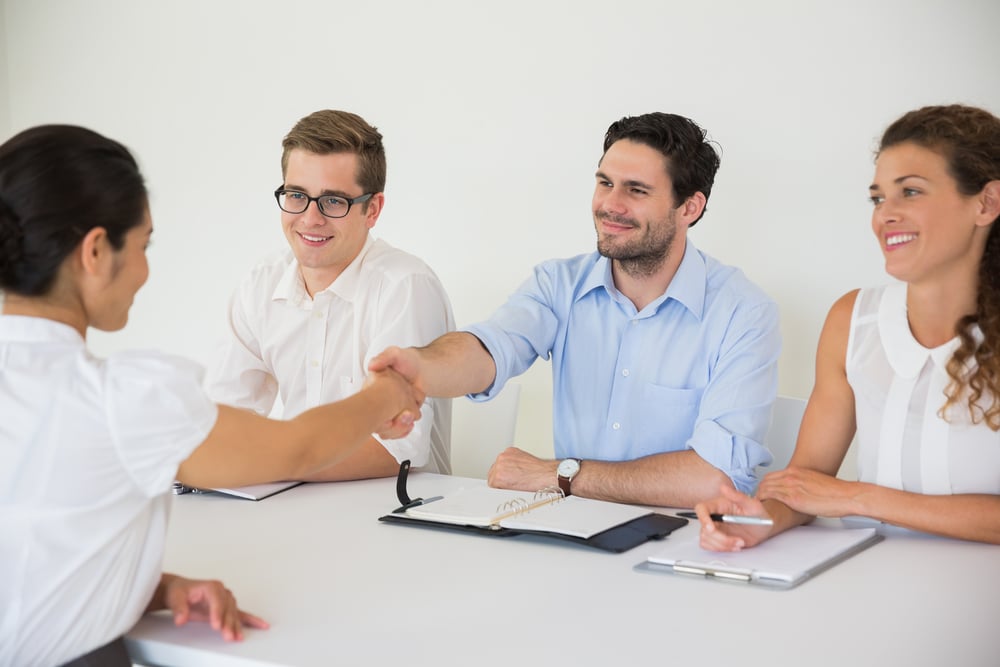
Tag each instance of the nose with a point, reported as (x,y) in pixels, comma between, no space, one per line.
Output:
(312,216)
(887,212)
(608,199)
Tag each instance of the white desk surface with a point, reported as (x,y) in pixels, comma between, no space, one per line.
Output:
(340,587)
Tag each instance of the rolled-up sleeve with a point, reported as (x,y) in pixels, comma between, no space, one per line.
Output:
(736,403)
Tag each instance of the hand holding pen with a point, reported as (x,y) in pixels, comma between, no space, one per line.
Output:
(732,521)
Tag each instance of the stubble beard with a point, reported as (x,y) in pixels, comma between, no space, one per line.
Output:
(643,256)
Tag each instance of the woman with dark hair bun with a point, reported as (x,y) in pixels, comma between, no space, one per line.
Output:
(912,367)
(90,448)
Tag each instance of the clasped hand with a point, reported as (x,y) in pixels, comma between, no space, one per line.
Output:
(406,395)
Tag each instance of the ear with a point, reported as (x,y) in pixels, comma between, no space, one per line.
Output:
(989,203)
(375,206)
(692,208)
(95,251)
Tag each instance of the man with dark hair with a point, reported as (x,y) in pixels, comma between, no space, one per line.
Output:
(664,361)
(305,324)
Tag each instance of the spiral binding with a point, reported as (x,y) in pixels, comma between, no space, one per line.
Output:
(544,496)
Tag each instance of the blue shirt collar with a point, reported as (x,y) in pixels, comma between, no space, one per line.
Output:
(687,286)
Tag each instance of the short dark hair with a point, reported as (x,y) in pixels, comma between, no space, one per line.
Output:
(57,182)
(691,158)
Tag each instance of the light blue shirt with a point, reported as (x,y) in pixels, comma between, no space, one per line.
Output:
(695,369)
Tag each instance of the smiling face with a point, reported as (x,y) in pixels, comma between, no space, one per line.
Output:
(634,212)
(927,229)
(324,246)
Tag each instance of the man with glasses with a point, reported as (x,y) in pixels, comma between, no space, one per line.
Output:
(664,361)
(304,325)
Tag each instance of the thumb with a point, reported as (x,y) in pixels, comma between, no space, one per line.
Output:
(383,360)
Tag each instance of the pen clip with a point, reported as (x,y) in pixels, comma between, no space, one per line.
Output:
(405,502)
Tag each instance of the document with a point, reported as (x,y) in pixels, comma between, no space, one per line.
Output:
(518,510)
(784,561)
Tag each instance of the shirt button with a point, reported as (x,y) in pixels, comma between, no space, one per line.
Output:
(635,322)
(314,364)
(625,372)
(319,316)
(616,426)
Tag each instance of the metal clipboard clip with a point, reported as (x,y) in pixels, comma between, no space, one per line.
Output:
(708,570)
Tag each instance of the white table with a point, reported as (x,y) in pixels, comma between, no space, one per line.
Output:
(340,587)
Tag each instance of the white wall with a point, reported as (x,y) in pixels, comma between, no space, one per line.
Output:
(4,87)
(493,116)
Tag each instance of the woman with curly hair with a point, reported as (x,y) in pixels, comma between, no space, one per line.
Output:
(912,367)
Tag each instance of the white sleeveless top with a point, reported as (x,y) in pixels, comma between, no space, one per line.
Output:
(898,391)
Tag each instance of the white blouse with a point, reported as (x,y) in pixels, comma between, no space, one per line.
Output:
(899,387)
(89,449)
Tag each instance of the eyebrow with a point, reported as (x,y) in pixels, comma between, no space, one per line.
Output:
(632,183)
(897,181)
(323,193)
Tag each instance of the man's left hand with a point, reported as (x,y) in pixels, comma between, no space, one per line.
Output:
(517,469)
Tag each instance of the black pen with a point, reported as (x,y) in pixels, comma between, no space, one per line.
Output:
(733,518)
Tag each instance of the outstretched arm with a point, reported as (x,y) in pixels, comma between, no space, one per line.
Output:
(453,365)
(244,448)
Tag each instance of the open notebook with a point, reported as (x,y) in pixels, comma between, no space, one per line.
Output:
(252,492)
(604,525)
(784,561)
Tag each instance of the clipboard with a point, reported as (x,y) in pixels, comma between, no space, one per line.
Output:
(252,492)
(782,562)
(546,513)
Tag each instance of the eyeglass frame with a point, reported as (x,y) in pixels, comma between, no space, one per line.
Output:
(309,200)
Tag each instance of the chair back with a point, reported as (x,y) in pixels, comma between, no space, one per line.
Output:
(786,416)
(481,430)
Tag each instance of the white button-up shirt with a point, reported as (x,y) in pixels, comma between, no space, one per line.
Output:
(315,350)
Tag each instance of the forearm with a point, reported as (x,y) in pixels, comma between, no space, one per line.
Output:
(327,435)
(672,479)
(454,365)
(965,516)
(371,460)
(244,448)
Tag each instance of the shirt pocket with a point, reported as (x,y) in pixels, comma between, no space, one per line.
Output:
(347,386)
(667,417)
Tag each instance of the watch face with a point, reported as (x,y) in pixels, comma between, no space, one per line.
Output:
(568,467)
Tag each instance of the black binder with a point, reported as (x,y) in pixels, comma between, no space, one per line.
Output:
(618,537)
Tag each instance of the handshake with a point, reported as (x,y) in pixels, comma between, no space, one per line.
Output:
(395,380)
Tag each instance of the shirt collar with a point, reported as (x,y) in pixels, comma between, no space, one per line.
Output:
(292,288)
(23,328)
(687,287)
(905,354)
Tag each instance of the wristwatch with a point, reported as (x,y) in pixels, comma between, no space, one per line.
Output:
(567,470)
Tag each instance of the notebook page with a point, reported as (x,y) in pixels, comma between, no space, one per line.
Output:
(476,506)
(580,517)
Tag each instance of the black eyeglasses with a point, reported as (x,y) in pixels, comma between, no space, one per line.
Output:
(332,206)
